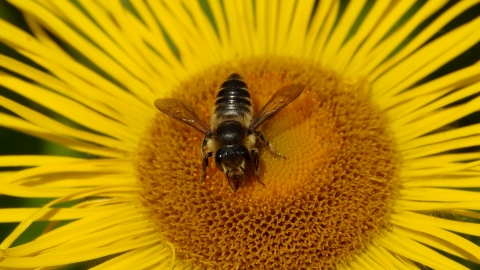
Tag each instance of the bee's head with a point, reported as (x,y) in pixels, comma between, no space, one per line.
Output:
(231,160)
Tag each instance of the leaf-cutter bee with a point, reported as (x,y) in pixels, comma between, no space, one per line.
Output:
(232,134)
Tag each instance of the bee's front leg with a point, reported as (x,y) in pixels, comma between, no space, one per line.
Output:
(205,164)
(267,143)
(256,162)
(205,141)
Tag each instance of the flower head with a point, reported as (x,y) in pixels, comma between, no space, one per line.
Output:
(373,175)
(341,168)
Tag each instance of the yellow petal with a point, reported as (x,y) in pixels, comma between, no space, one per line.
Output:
(439,195)
(68,258)
(45,209)
(470,182)
(453,168)
(104,166)
(142,258)
(16,215)
(426,60)
(440,239)
(439,160)
(393,41)
(99,58)
(24,160)
(435,206)
(369,23)
(68,108)
(410,249)
(418,40)
(47,123)
(299,27)
(437,119)
(340,32)
(317,26)
(451,225)
(387,22)
(386,258)
(321,39)
(441,147)
(27,128)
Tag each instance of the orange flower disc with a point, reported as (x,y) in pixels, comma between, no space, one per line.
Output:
(319,206)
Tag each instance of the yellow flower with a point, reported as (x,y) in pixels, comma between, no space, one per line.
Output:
(380,173)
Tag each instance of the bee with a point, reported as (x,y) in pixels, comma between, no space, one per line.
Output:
(232,134)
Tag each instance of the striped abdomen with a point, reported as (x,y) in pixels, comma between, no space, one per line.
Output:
(233,100)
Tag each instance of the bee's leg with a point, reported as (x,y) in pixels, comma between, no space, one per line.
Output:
(244,181)
(244,178)
(204,142)
(205,164)
(256,162)
(230,182)
(267,143)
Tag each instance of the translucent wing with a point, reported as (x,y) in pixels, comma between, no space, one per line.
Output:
(183,113)
(277,102)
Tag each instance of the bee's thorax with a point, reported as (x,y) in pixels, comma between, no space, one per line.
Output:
(230,132)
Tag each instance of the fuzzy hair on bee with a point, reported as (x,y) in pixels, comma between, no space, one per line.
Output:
(231,137)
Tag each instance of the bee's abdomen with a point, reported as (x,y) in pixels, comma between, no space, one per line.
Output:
(233,99)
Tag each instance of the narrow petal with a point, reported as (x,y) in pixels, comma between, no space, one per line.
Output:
(24,160)
(299,27)
(435,206)
(45,209)
(368,24)
(439,160)
(408,248)
(321,39)
(422,37)
(451,225)
(283,24)
(178,33)
(316,27)
(341,31)
(85,25)
(386,258)
(220,23)
(141,258)
(437,104)
(395,12)
(205,29)
(387,46)
(68,258)
(20,125)
(60,87)
(437,148)
(426,60)
(439,195)
(470,182)
(68,108)
(47,123)
(8,215)
(438,119)
(100,238)
(99,58)
(440,239)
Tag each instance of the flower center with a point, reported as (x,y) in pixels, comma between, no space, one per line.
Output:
(320,205)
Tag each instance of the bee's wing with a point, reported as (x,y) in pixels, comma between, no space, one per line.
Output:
(277,102)
(183,113)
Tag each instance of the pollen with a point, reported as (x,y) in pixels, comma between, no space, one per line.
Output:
(320,205)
